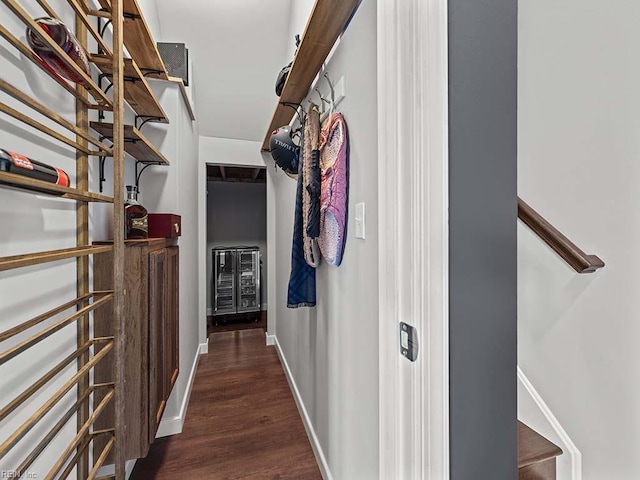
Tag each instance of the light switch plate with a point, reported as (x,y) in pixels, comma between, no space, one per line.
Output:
(360,220)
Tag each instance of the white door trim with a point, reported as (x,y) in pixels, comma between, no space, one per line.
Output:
(413,235)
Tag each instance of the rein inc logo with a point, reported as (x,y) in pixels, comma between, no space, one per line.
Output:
(16,474)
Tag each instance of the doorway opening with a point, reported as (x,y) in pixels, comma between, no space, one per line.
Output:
(236,248)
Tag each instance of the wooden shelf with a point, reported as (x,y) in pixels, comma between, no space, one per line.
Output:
(137,91)
(135,143)
(139,41)
(28,260)
(328,20)
(185,96)
(38,186)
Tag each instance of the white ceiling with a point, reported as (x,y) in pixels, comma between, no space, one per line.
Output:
(237,48)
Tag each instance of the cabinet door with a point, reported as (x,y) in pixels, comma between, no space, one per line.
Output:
(172,357)
(157,320)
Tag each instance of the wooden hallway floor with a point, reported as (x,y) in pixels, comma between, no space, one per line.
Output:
(242,421)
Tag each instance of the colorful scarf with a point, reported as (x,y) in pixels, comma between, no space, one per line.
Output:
(334,203)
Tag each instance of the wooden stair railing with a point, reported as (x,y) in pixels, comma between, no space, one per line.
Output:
(569,251)
(536,455)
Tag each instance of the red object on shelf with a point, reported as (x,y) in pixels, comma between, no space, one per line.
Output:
(164,225)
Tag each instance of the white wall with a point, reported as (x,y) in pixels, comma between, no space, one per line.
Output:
(171,190)
(578,166)
(237,215)
(332,349)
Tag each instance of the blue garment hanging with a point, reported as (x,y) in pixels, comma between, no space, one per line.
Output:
(302,281)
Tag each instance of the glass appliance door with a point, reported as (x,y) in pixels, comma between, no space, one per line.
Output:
(224,281)
(249,280)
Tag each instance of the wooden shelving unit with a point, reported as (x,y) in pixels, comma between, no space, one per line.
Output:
(139,41)
(38,186)
(328,20)
(137,91)
(90,351)
(135,143)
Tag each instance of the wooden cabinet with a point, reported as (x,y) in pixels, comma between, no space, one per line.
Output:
(151,351)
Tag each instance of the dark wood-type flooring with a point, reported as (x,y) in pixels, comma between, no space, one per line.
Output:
(242,421)
(227,323)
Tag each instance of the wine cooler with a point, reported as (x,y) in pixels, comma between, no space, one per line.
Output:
(236,280)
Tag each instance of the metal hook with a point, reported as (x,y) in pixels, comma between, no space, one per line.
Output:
(333,93)
(323,100)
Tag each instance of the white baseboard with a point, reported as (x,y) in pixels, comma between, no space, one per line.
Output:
(313,438)
(204,347)
(271,339)
(173,425)
(533,411)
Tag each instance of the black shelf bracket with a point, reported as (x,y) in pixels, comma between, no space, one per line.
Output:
(149,71)
(131,16)
(102,177)
(145,119)
(141,170)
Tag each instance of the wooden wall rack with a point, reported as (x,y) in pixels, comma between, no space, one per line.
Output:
(329,18)
(127,77)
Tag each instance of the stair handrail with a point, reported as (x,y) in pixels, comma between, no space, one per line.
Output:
(569,251)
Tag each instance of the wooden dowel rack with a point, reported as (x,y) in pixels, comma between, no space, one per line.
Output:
(52,402)
(22,346)
(50,375)
(565,248)
(77,440)
(40,186)
(101,459)
(90,85)
(12,112)
(90,350)
(50,114)
(53,432)
(28,260)
(24,50)
(7,334)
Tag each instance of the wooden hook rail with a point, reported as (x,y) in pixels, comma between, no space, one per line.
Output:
(569,251)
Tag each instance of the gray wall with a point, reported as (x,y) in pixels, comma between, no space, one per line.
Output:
(483,243)
(332,349)
(237,215)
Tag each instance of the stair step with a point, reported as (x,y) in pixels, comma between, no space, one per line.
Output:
(534,448)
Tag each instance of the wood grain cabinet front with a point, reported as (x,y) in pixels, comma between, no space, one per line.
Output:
(152,337)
